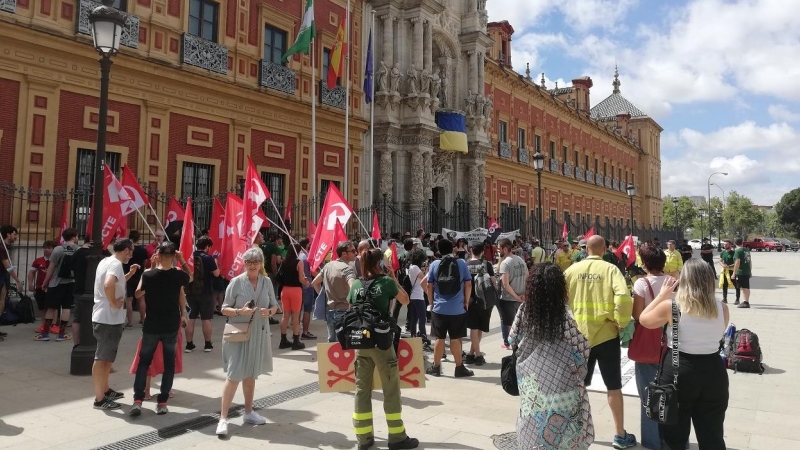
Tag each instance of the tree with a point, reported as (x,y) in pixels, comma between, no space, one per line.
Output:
(788,211)
(773,226)
(741,217)
(686,213)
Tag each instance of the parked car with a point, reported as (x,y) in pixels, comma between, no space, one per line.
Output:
(767,244)
(789,245)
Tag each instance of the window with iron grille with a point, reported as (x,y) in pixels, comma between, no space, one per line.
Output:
(502,131)
(553,214)
(276,184)
(203,19)
(552,150)
(521,138)
(325,185)
(84,183)
(274,44)
(197,181)
(538,143)
(586,162)
(565,151)
(577,159)
(578,218)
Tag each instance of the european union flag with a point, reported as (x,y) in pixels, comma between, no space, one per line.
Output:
(453,135)
(368,72)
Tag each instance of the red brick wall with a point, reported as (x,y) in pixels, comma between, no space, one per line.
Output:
(70,126)
(9,105)
(230,22)
(174,8)
(178,125)
(257,146)
(322,169)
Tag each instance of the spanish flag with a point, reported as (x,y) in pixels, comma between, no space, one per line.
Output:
(335,66)
(454,131)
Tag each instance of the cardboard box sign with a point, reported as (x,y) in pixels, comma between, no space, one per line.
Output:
(337,367)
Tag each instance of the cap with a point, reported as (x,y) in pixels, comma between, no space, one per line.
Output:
(576,241)
(407,234)
(582,243)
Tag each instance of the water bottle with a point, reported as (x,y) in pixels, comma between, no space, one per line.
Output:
(727,338)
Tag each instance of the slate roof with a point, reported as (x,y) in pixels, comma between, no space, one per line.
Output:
(613,105)
(560,91)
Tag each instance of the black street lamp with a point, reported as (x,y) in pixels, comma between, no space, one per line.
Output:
(538,164)
(631,189)
(702,212)
(106,23)
(675,205)
(709,202)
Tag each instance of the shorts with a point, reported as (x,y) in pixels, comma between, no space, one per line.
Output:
(308,299)
(743,281)
(292,299)
(130,286)
(508,311)
(454,326)
(478,317)
(108,337)
(201,305)
(60,297)
(40,296)
(607,355)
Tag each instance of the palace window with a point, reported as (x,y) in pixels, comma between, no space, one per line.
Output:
(502,131)
(274,44)
(198,182)
(203,19)
(605,169)
(325,185)
(84,183)
(276,183)
(521,138)
(552,150)
(586,162)
(538,143)
(565,150)
(596,162)
(577,159)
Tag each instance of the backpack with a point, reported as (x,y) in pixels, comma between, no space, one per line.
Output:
(484,289)
(24,309)
(199,276)
(448,276)
(744,352)
(363,326)
(66,269)
(17,311)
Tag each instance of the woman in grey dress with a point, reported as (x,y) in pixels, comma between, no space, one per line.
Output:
(245,361)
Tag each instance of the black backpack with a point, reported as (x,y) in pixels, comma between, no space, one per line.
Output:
(66,269)
(363,326)
(484,289)
(199,276)
(744,353)
(24,309)
(448,276)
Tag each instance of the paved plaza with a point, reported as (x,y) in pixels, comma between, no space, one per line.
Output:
(42,406)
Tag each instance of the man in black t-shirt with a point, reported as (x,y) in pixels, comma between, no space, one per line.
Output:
(166,306)
(686,251)
(202,304)
(478,315)
(707,254)
(140,258)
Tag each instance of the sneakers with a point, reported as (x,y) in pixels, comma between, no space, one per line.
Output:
(284,344)
(107,404)
(136,409)
(63,337)
(208,347)
(737,302)
(469,359)
(222,427)
(480,360)
(626,441)
(189,347)
(114,395)
(161,409)
(463,372)
(505,346)
(744,305)
(407,443)
(367,445)
(308,336)
(434,371)
(41,337)
(254,418)
(297,345)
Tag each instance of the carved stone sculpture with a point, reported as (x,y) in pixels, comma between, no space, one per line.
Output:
(487,106)
(395,74)
(436,84)
(386,173)
(471,103)
(413,80)
(445,86)
(383,73)
(425,81)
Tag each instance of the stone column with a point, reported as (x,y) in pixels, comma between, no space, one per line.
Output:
(481,73)
(473,71)
(428,46)
(481,179)
(417,187)
(427,177)
(388,40)
(386,173)
(418,42)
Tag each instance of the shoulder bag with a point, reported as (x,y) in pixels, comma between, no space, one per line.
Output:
(508,373)
(661,400)
(645,347)
(238,332)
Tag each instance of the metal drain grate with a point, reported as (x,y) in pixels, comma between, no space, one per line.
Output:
(506,441)
(188,426)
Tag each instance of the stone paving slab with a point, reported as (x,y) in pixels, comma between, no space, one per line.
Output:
(42,406)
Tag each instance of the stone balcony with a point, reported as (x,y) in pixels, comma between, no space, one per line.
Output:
(578,173)
(589,176)
(523,156)
(336,97)
(554,166)
(204,54)
(567,170)
(504,149)
(278,77)
(130,33)
(8,6)
(598,179)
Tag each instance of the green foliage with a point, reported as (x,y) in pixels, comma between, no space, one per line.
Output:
(686,213)
(741,218)
(788,211)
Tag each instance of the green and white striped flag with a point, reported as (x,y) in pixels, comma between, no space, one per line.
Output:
(307,32)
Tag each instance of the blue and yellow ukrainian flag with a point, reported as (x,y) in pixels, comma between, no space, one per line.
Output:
(454,131)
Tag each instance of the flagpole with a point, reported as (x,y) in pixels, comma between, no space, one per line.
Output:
(347,100)
(157,219)
(363,227)
(313,126)
(148,225)
(372,117)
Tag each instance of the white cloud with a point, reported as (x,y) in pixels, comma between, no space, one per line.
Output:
(581,15)
(783,114)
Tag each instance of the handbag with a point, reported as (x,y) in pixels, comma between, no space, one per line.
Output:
(645,347)
(508,373)
(661,400)
(238,332)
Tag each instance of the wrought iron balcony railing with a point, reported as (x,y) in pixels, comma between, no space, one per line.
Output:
(567,170)
(504,149)
(8,6)
(598,179)
(523,156)
(130,33)
(204,54)
(554,166)
(608,182)
(579,173)
(589,176)
(336,97)
(278,77)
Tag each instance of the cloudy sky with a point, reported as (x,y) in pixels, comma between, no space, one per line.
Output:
(722,77)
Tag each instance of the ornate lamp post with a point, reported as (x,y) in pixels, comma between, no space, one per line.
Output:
(631,189)
(538,164)
(107,24)
(675,205)
(709,201)
(702,212)
(721,222)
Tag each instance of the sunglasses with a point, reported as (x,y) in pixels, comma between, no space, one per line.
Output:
(251,262)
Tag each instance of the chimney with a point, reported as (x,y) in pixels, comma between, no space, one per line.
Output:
(580,87)
(623,117)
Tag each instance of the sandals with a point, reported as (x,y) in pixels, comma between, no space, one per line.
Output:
(308,336)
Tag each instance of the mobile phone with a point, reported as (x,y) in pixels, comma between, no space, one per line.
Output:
(250,304)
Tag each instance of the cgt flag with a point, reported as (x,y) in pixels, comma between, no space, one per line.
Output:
(174,212)
(255,193)
(187,236)
(629,249)
(217,230)
(312,229)
(112,208)
(341,236)
(376,229)
(335,209)
(395,260)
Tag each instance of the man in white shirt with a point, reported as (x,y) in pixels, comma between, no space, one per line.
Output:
(108,319)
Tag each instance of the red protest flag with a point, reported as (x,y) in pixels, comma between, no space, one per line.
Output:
(112,208)
(334,209)
(565,232)
(217,230)
(64,221)
(287,215)
(629,249)
(589,234)
(136,196)
(255,193)
(312,228)
(395,259)
(187,235)
(230,261)
(174,211)
(376,229)
(341,236)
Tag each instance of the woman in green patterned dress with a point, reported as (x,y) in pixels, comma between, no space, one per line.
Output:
(551,365)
